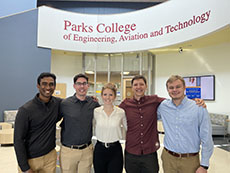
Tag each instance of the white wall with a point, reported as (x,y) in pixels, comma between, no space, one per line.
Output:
(209,60)
(65,67)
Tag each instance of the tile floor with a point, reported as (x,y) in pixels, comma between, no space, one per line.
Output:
(219,163)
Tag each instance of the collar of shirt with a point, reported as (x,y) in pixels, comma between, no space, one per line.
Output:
(114,107)
(38,100)
(183,102)
(141,100)
(75,99)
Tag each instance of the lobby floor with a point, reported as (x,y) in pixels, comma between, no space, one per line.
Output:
(219,162)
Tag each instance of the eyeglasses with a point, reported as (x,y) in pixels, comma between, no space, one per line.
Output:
(81,83)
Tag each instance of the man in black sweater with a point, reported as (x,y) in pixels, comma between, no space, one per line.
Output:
(35,129)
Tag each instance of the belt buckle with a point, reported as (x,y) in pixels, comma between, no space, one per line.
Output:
(82,146)
(75,147)
(106,145)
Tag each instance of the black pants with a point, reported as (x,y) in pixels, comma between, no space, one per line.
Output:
(141,163)
(108,160)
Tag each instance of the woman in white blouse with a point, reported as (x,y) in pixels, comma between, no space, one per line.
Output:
(108,122)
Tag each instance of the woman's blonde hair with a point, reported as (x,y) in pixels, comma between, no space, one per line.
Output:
(109,86)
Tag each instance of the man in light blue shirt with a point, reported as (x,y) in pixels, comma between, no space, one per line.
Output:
(187,126)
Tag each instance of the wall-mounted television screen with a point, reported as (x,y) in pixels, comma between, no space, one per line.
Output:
(202,87)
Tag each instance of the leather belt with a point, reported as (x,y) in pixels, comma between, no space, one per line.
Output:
(79,147)
(181,154)
(107,145)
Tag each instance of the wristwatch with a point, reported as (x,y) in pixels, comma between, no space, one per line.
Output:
(205,167)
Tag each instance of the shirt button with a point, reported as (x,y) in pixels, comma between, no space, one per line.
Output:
(141,116)
(140,109)
(141,142)
(142,125)
(141,134)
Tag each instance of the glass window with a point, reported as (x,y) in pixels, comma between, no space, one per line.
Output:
(89,62)
(115,75)
(131,64)
(102,74)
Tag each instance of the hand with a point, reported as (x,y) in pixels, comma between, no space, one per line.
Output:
(201,170)
(200,102)
(29,171)
(94,98)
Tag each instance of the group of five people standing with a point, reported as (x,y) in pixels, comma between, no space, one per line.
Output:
(187,126)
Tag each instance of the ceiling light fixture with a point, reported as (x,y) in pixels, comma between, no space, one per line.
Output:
(89,72)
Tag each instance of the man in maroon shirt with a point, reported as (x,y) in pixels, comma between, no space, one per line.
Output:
(142,137)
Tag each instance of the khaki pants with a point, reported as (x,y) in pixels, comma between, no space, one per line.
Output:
(76,161)
(172,164)
(43,164)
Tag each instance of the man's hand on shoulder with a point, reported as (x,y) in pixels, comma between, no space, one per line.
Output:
(94,98)
(200,102)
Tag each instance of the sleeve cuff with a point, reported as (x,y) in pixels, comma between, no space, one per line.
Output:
(205,167)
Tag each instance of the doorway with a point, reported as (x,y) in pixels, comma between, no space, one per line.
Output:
(127,87)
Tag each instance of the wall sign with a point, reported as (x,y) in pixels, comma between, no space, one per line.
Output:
(166,24)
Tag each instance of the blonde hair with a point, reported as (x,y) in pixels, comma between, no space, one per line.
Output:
(109,86)
(174,78)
